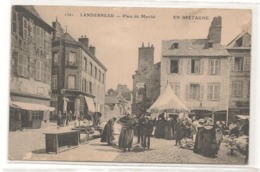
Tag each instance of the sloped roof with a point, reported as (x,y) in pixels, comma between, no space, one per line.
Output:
(111,100)
(192,47)
(121,98)
(233,42)
(67,37)
(32,10)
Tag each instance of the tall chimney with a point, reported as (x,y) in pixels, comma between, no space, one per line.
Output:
(58,30)
(92,49)
(215,30)
(84,40)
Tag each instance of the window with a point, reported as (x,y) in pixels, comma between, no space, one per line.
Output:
(36,115)
(195,66)
(90,87)
(56,59)
(214,66)
(238,64)
(54,81)
(39,70)
(176,88)
(174,68)
(14,21)
(84,63)
(213,91)
(86,85)
(72,58)
(83,85)
(99,75)
(91,69)
(71,82)
(22,65)
(38,35)
(194,91)
(103,78)
(25,28)
(237,89)
(15,114)
(247,64)
(95,72)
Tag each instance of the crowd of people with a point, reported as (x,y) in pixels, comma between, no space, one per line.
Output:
(206,134)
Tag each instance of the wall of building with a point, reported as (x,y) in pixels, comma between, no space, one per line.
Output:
(203,79)
(34,48)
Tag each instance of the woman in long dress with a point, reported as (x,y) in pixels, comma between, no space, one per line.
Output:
(160,128)
(127,132)
(168,129)
(107,135)
(208,138)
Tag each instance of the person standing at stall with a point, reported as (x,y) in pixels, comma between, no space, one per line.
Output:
(127,132)
(107,134)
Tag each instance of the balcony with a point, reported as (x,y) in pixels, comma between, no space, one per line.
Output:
(72,65)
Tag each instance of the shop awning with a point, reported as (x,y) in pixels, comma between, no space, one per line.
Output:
(31,106)
(90,103)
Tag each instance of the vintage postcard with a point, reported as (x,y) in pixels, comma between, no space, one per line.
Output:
(130,84)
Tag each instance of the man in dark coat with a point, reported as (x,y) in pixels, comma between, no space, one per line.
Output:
(107,135)
(148,129)
(140,128)
(179,131)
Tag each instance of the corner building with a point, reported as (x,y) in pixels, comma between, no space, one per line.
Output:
(78,77)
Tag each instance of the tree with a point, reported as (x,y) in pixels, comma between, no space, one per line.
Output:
(110,91)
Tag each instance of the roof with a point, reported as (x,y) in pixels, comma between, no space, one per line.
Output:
(192,47)
(32,13)
(111,100)
(121,98)
(68,38)
(233,44)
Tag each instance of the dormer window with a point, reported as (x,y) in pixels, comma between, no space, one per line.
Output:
(210,44)
(175,45)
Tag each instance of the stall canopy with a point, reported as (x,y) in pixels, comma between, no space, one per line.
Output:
(242,116)
(31,106)
(168,100)
(90,103)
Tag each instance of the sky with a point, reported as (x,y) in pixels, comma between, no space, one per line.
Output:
(118,38)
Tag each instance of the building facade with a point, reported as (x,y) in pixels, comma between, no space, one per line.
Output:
(146,80)
(239,97)
(198,71)
(78,77)
(30,91)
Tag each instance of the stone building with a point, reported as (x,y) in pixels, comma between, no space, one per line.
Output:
(78,77)
(198,71)
(239,97)
(30,74)
(146,80)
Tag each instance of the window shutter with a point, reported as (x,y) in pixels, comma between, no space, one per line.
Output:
(201,92)
(232,64)
(20,64)
(187,92)
(168,65)
(38,70)
(208,92)
(188,66)
(201,66)
(181,66)
(246,64)
(219,66)
(209,66)
(233,85)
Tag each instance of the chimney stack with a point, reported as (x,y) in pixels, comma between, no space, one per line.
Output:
(84,40)
(215,30)
(92,49)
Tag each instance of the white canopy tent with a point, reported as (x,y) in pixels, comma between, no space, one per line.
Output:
(168,100)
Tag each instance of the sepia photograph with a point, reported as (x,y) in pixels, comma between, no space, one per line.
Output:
(130,85)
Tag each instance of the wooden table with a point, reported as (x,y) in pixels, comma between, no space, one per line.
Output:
(59,141)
